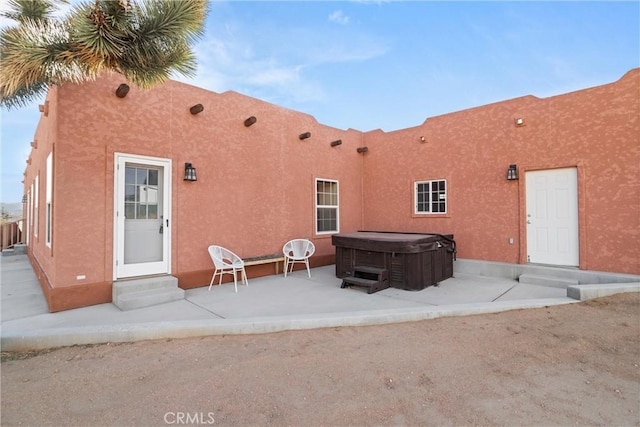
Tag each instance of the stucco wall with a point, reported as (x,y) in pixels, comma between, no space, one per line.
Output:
(255,187)
(595,130)
(42,144)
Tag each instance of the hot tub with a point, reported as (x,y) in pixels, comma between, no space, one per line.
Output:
(414,261)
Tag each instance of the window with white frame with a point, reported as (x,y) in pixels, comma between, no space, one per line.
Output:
(431,197)
(29,213)
(49,190)
(326,206)
(36,194)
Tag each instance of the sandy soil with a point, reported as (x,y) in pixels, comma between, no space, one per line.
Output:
(576,364)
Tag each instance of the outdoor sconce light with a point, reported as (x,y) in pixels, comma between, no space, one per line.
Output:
(362,149)
(512,173)
(519,121)
(196,109)
(122,90)
(189,172)
(251,120)
(305,135)
(336,142)
(34,143)
(423,139)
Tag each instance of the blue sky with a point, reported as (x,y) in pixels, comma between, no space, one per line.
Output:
(387,64)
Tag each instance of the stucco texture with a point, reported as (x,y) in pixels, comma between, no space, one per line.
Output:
(595,130)
(256,184)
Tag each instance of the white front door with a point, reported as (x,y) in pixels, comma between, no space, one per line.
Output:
(552,217)
(142,216)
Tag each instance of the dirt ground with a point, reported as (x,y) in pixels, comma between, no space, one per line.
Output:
(576,364)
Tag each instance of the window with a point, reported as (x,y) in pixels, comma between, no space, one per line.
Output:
(431,197)
(326,206)
(36,194)
(49,188)
(141,193)
(29,214)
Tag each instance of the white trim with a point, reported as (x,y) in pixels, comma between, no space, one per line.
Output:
(36,205)
(29,213)
(316,206)
(415,197)
(162,267)
(552,217)
(48,205)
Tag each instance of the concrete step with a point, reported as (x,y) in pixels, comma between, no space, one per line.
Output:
(144,292)
(122,287)
(553,282)
(18,249)
(8,252)
(148,298)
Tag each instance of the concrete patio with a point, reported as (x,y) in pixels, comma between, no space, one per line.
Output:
(275,303)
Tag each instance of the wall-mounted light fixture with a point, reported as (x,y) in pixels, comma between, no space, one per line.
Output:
(519,121)
(196,109)
(423,139)
(362,149)
(305,135)
(251,120)
(34,143)
(122,90)
(336,142)
(512,173)
(189,172)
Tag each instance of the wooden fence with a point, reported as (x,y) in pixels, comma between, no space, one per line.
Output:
(11,233)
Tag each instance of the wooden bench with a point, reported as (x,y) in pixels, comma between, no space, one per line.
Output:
(266,259)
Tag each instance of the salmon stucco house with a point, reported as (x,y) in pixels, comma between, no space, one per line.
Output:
(111,196)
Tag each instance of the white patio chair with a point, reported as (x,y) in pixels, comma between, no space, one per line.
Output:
(297,250)
(226,262)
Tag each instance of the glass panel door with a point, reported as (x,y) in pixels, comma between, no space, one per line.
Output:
(142,236)
(143,214)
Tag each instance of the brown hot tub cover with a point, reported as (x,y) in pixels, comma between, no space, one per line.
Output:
(414,260)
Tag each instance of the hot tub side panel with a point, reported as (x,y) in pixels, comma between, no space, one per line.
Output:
(418,263)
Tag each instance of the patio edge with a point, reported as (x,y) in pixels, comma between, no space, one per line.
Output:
(102,334)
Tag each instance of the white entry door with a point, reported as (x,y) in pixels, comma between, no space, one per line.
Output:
(552,217)
(142,216)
